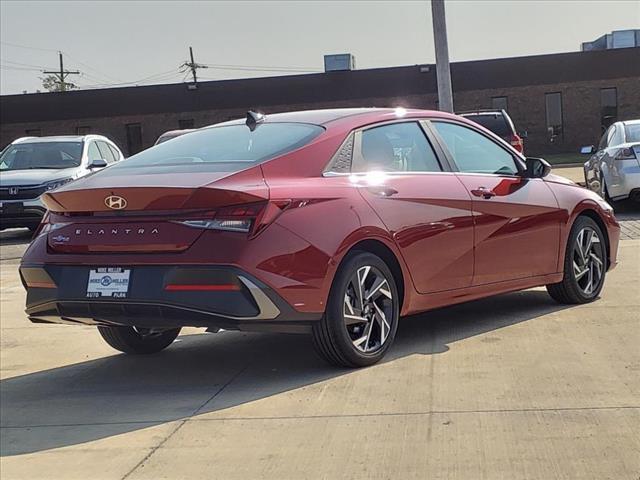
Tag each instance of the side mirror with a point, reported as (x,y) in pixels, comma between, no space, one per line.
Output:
(537,168)
(97,163)
(588,150)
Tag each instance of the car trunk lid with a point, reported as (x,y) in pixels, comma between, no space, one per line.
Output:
(143,213)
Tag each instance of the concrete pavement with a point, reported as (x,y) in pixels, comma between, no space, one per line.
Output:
(514,387)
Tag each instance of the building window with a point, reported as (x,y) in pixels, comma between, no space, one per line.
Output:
(553,107)
(83,130)
(185,123)
(134,138)
(608,107)
(499,103)
(34,132)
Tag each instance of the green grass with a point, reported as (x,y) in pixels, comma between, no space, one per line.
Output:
(559,158)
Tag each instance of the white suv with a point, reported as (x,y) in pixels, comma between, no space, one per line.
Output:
(31,166)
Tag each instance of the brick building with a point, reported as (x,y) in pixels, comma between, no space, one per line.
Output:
(568,96)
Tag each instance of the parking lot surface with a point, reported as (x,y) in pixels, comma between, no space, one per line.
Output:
(512,387)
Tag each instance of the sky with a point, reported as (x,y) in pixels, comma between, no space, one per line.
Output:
(143,42)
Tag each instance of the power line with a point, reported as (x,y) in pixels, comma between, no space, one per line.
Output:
(28,48)
(193,66)
(62,74)
(102,74)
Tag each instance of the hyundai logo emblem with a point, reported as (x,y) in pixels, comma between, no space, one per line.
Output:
(115,202)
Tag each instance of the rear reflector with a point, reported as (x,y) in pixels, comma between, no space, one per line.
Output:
(172,287)
(35,277)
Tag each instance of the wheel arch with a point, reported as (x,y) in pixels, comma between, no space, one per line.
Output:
(382,250)
(593,215)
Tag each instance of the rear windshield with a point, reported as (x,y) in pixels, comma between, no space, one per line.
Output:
(226,148)
(494,122)
(632,132)
(48,155)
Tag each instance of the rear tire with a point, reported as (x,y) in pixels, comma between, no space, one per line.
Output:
(354,332)
(138,341)
(585,264)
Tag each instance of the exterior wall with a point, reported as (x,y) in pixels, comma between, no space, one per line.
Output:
(580,111)
(154,125)
(526,105)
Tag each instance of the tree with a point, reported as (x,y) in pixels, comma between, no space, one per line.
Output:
(51,83)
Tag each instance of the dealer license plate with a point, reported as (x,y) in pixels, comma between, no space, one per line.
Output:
(108,282)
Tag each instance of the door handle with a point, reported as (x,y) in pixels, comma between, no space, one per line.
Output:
(483,192)
(382,191)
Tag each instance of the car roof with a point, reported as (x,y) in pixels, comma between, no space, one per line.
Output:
(59,138)
(177,132)
(631,122)
(326,116)
(481,112)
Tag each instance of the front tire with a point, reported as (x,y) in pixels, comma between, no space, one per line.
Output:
(136,341)
(585,264)
(361,318)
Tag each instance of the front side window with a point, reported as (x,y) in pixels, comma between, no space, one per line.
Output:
(475,153)
(93,153)
(106,152)
(41,155)
(115,152)
(397,147)
(225,148)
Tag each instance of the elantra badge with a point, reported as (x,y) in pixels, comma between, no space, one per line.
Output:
(115,202)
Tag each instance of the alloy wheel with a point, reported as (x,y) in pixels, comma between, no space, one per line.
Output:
(588,260)
(368,309)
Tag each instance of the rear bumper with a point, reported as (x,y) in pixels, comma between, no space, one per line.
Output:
(58,294)
(624,179)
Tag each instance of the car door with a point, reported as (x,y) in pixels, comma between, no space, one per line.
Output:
(422,203)
(517,220)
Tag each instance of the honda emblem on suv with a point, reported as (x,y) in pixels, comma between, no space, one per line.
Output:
(115,202)
(13,190)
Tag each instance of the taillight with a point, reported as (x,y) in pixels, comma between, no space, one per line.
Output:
(250,218)
(46,226)
(517,143)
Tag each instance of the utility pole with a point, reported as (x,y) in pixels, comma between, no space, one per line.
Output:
(62,74)
(193,66)
(443,72)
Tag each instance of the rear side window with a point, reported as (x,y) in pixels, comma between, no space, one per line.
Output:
(632,132)
(498,124)
(397,147)
(475,153)
(226,148)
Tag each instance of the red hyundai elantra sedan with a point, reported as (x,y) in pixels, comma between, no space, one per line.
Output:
(332,222)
